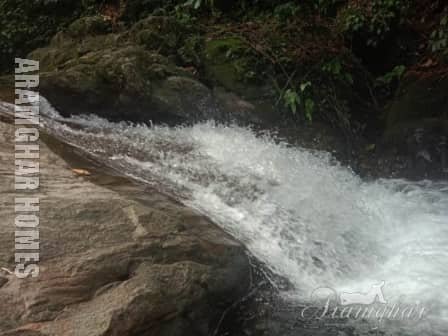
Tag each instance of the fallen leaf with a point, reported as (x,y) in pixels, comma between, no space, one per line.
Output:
(4,269)
(81,172)
(429,63)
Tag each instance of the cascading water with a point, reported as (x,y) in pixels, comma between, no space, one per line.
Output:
(307,218)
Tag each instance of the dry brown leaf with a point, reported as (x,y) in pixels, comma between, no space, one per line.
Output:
(81,172)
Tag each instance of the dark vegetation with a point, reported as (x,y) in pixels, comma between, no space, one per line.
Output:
(346,63)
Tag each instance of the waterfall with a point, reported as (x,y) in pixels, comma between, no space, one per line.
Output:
(306,217)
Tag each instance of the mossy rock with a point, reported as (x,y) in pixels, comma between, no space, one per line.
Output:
(121,76)
(230,63)
(100,80)
(64,51)
(185,97)
(126,75)
(169,37)
(89,25)
(123,83)
(160,33)
(226,62)
(52,58)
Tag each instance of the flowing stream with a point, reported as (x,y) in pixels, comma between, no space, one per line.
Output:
(306,217)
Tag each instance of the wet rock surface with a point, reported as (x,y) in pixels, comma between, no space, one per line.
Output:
(417,127)
(115,259)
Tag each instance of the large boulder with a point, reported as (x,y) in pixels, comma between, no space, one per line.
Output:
(122,75)
(230,64)
(127,83)
(89,25)
(162,33)
(147,73)
(115,259)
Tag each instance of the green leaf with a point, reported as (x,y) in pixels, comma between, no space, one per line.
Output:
(309,109)
(197,4)
(349,78)
(304,86)
(292,100)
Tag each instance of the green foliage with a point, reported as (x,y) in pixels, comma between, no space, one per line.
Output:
(183,16)
(232,63)
(188,12)
(386,85)
(309,109)
(394,75)
(302,98)
(286,11)
(27,24)
(135,10)
(291,100)
(197,4)
(89,25)
(190,52)
(324,7)
(335,68)
(353,21)
(372,21)
(439,37)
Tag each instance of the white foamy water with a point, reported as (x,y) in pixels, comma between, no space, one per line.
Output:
(307,218)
